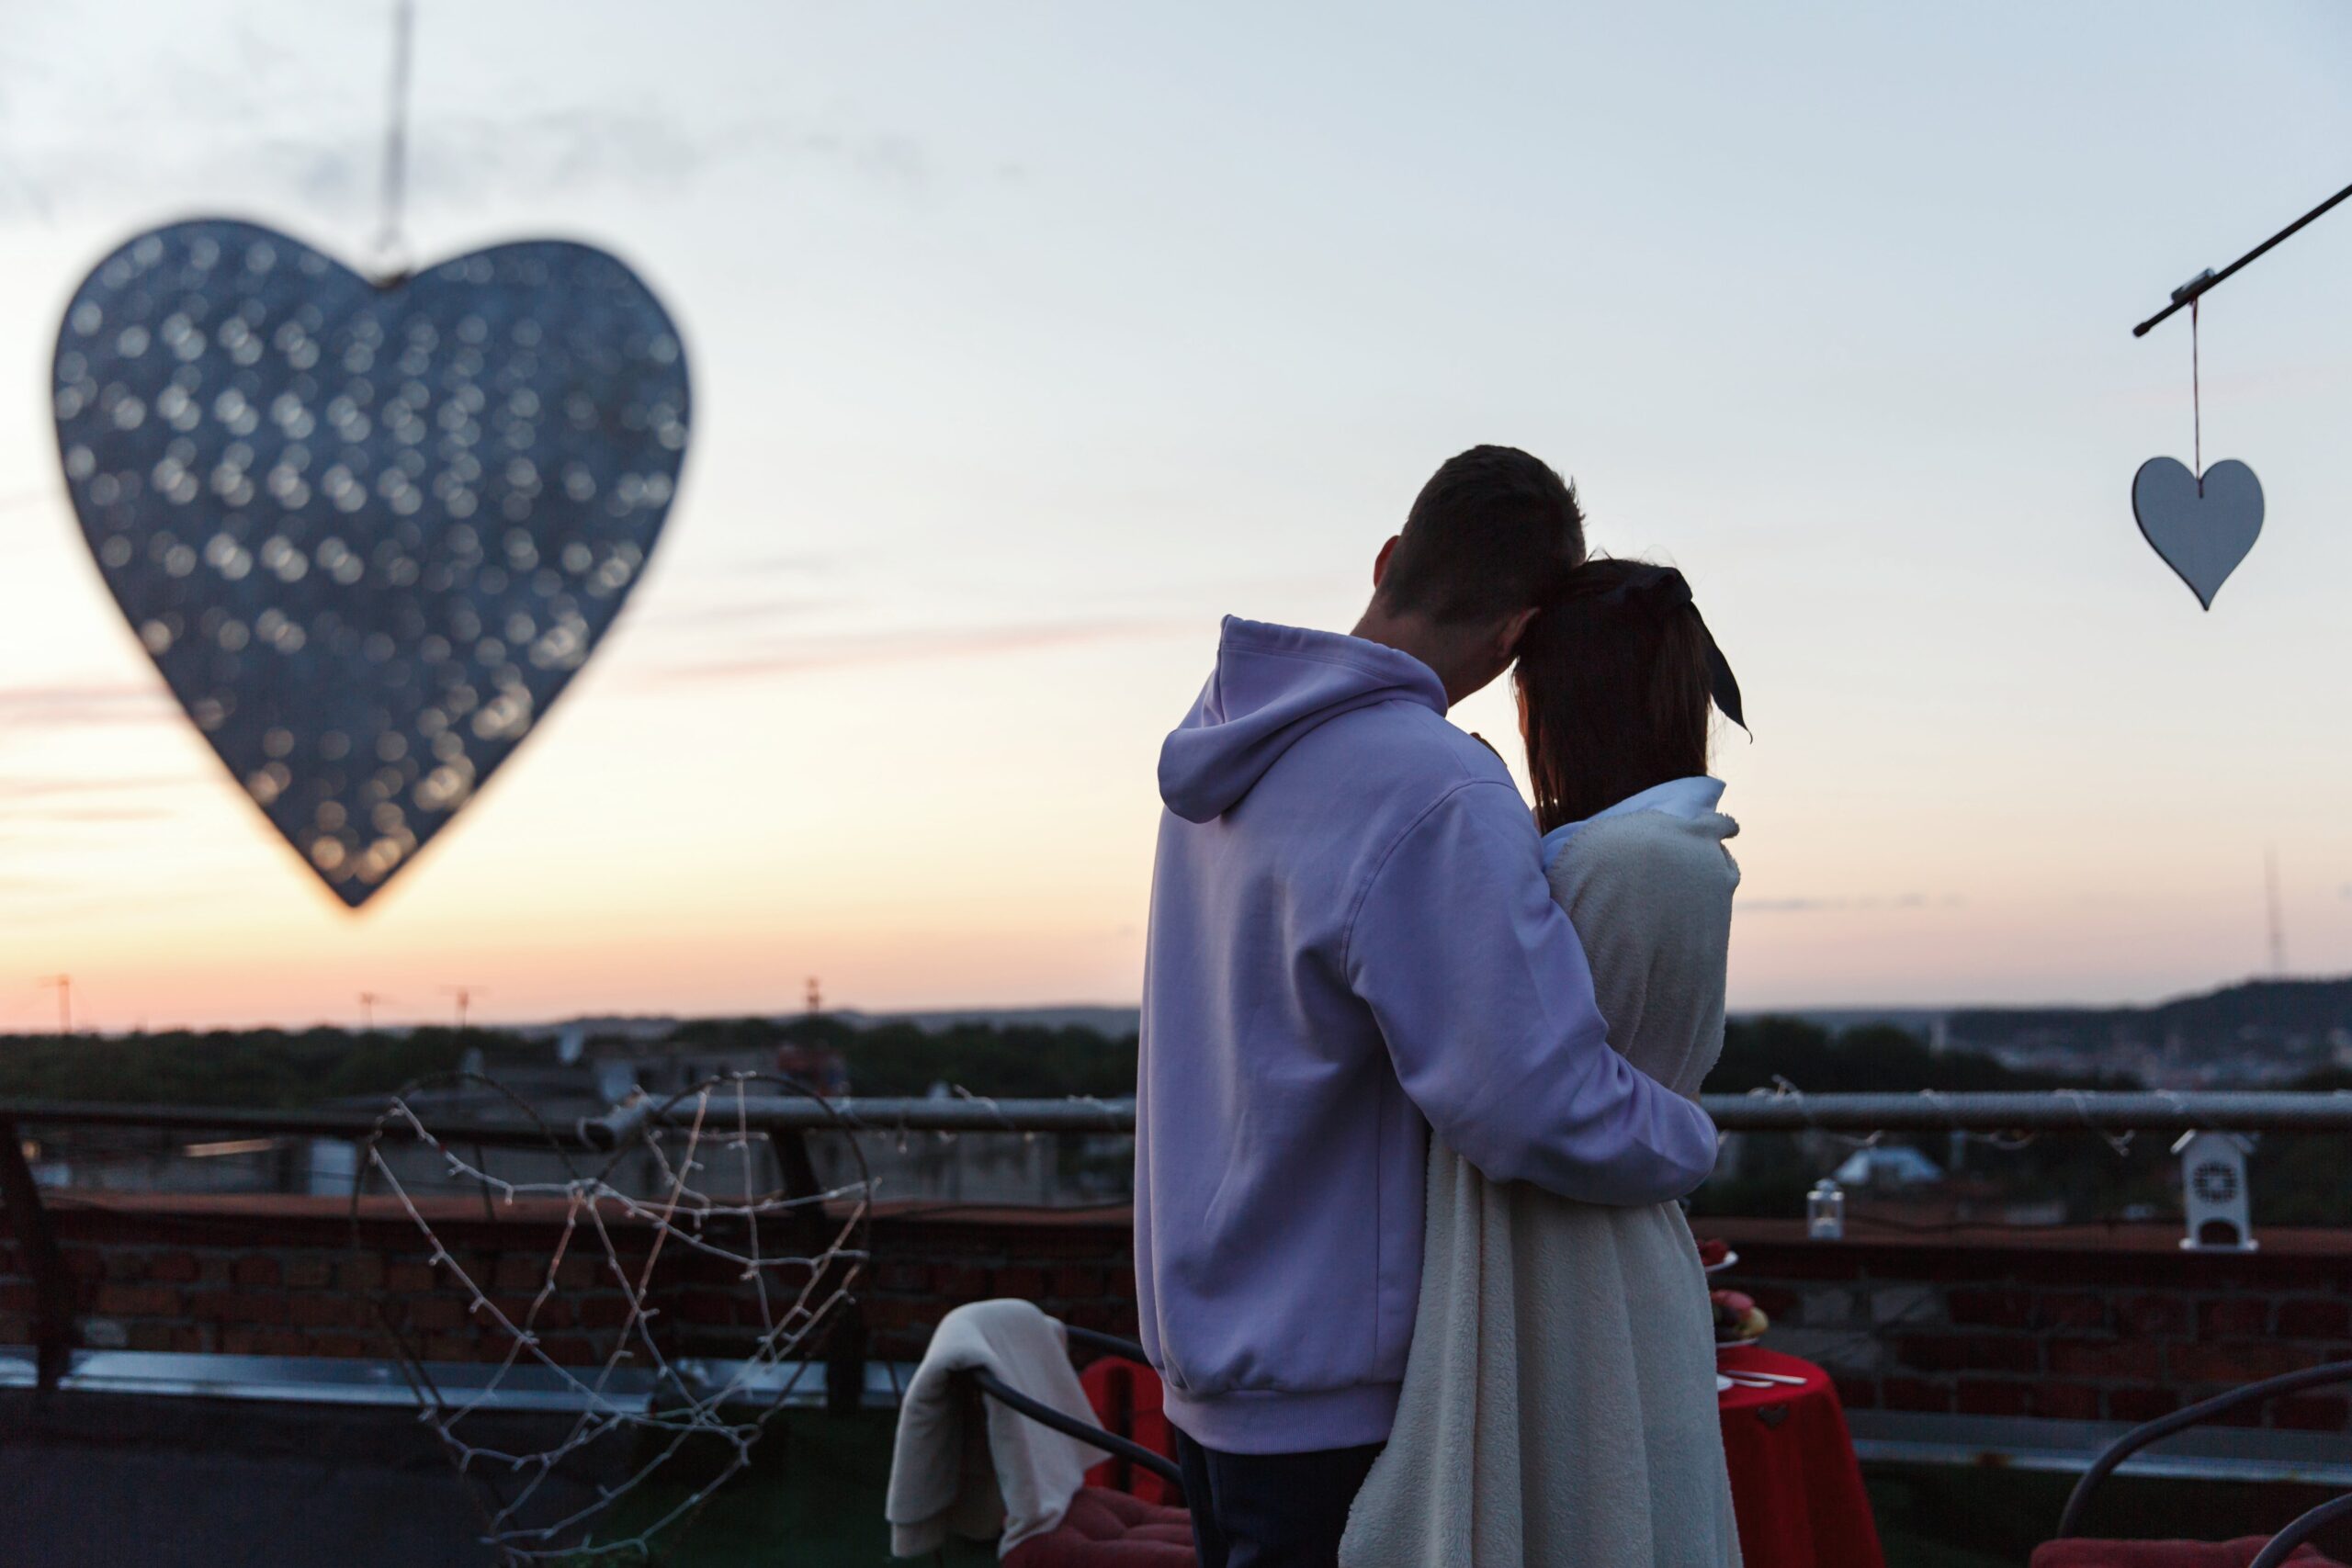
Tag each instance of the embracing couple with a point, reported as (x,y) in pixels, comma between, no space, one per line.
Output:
(1416,1092)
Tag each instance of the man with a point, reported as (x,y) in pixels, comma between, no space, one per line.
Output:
(1352,944)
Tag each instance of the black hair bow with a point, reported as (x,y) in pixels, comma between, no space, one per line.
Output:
(1666,581)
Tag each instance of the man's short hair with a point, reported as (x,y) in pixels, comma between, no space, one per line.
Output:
(1493,531)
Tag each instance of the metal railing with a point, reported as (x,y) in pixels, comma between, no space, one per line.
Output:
(2266,1111)
(786,1117)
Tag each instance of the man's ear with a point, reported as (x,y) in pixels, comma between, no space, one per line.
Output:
(1380,562)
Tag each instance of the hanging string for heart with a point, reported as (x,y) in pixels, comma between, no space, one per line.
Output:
(390,249)
(2196,404)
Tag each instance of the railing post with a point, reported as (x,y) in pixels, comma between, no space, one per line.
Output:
(52,1292)
(844,1342)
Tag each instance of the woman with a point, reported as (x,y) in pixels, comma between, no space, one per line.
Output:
(1559,1403)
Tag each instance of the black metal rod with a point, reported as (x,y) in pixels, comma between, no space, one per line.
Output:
(1045,1414)
(52,1292)
(2282,1545)
(2206,282)
(2140,1437)
(2049,1110)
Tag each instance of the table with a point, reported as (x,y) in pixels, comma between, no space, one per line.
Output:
(1796,1487)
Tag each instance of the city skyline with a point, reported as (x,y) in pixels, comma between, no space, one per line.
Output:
(1028,346)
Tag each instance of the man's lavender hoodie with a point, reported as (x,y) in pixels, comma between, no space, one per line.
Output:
(1351,943)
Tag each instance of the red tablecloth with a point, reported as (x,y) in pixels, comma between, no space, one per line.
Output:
(1795,1485)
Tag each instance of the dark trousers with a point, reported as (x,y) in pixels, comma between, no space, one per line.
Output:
(1271,1510)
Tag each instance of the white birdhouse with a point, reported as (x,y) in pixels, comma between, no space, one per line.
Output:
(2213,1195)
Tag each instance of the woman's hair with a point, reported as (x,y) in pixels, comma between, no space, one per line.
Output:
(1613,690)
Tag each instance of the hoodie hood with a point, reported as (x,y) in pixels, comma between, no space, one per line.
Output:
(1271,685)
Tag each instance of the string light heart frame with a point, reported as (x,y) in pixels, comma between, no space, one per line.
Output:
(633,1387)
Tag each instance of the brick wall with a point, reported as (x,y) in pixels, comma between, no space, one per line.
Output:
(2075,1322)
(2070,1323)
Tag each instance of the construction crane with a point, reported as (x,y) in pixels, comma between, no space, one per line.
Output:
(465,995)
(64,985)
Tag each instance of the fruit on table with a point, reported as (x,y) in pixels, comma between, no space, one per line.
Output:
(1736,1315)
(1713,1252)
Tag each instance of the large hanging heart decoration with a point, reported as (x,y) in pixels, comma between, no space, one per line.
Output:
(368,532)
(2203,526)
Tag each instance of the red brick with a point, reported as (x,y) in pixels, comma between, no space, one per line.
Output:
(138,1301)
(2140,1404)
(553,1313)
(2072,1309)
(16,1328)
(606,1310)
(259,1272)
(1078,1284)
(570,1350)
(885,1315)
(2066,1401)
(16,1297)
(1027,1284)
(230,1307)
(516,1272)
(84,1263)
(708,1307)
(324,1310)
(341,1344)
(122,1265)
(1933,1352)
(408,1278)
(309,1273)
(1913,1394)
(2245,1362)
(192,1340)
(2140,1317)
(2314,1319)
(241,1341)
(280,1342)
(1988,1397)
(578,1271)
(2233,1317)
(898,1275)
(150,1336)
(2105,1359)
(173,1267)
(955,1283)
(2309,1413)
(1857,1394)
(358,1274)
(432,1313)
(1120,1284)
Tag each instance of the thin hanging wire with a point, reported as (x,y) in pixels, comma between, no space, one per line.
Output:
(2196,402)
(391,248)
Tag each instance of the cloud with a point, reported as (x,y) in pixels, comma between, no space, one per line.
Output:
(50,788)
(464,161)
(65,706)
(1810,905)
(847,649)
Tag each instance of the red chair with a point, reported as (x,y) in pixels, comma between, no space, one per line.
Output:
(2288,1546)
(1103,1529)
(1127,1396)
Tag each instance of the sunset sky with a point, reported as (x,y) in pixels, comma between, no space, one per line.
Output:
(1030,339)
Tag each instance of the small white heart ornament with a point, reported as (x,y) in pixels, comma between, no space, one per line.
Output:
(2202,530)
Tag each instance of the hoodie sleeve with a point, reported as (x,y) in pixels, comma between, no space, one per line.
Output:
(1481,989)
